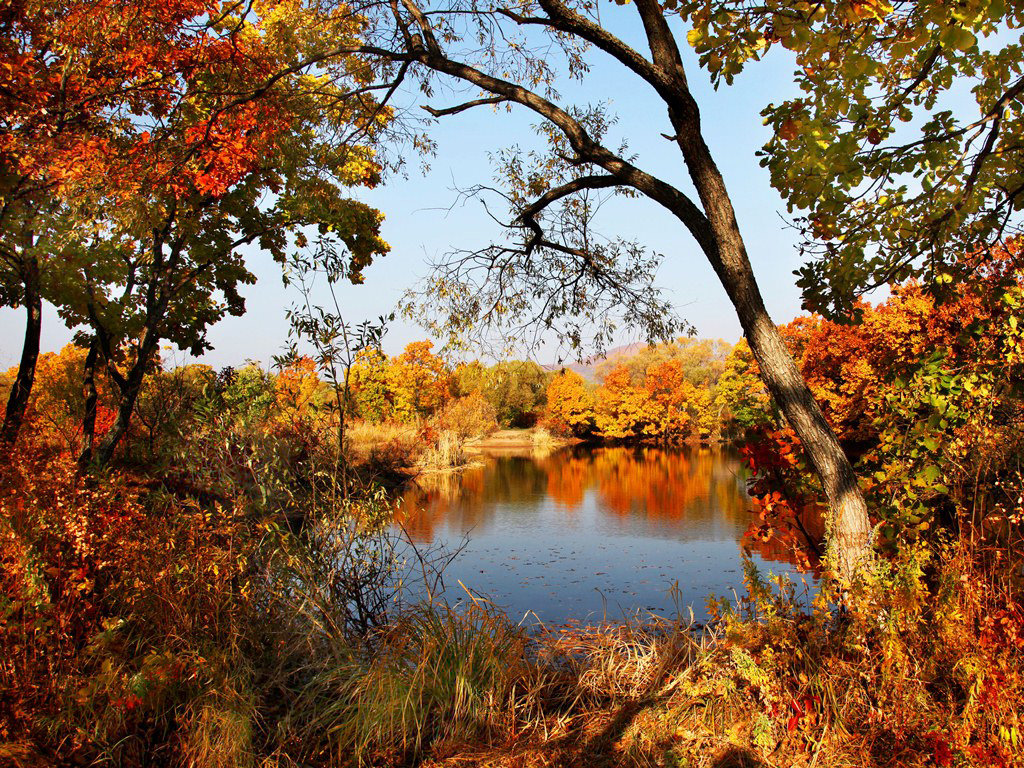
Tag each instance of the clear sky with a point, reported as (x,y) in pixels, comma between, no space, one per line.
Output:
(421,225)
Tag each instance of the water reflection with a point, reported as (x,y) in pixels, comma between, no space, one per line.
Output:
(581,532)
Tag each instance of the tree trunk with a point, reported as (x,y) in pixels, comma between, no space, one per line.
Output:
(17,401)
(849,527)
(91,399)
(129,388)
(129,394)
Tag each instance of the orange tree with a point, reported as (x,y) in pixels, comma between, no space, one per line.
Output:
(570,405)
(371,397)
(890,177)
(70,74)
(298,390)
(624,410)
(57,407)
(660,403)
(419,381)
(680,405)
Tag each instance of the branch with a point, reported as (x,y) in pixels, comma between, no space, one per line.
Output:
(681,206)
(528,216)
(421,21)
(463,107)
(990,141)
(565,19)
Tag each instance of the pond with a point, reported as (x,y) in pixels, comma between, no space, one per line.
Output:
(590,534)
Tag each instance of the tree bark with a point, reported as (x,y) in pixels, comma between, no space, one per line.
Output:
(129,388)
(849,529)
(17,401)
(91,399)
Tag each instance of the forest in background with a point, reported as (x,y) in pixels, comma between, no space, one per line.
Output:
(682,390)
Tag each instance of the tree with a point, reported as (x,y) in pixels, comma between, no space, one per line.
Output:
(681,405)
(78,81)
(371,398)
(337,343)
(555,267)
(237,119)
(51,97)
(514,388)
(298,390)
(701,360)
(624,410)
(570,406)
(740,395)
(904,154)
(57,407)
(418,380)
(143,144)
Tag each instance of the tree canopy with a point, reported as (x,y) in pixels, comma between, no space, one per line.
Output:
(902,156)
(145,147)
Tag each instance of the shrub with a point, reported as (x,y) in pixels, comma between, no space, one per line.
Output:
(469,416)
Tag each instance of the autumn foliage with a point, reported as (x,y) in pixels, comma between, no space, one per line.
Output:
(681,390)
(160,602)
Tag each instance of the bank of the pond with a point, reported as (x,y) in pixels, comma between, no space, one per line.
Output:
(143,629)
(538,436)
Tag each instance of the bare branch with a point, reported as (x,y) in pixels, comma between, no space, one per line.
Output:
(463,107)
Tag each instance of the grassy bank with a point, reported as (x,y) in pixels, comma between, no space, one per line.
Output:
(142,627)
(408,448)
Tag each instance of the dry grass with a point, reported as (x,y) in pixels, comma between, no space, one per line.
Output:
(542,436)
(390,446)
(364,436)
(447,452)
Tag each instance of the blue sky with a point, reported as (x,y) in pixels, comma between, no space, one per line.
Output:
(421,225)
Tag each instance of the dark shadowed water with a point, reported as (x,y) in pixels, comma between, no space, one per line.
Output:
(587,533)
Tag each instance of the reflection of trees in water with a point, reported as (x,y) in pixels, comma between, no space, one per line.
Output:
(430,500)
(656,484)
(467,499)
(662,486)
(568,477)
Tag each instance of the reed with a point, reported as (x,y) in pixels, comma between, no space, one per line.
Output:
(447,452)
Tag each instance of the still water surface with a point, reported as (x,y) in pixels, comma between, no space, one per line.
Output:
(588,534)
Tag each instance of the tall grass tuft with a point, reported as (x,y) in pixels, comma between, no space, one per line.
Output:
(218,731)
(446,453)
(438,674)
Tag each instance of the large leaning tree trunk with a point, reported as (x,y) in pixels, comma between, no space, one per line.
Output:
(849,524)
(407,37)
(17,401)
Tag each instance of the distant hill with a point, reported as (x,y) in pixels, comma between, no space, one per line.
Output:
(588,368)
